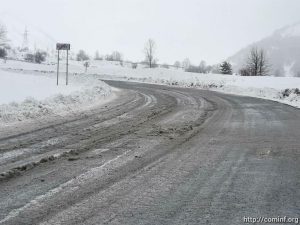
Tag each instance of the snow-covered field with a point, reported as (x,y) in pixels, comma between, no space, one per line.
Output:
(26,94)
(16,87)
(29,90)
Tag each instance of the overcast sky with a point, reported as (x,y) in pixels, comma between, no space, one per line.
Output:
(210,30)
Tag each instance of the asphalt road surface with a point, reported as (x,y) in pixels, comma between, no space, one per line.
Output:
(154,155)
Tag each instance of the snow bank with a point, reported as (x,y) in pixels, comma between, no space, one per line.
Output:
(281,89)
(31,96)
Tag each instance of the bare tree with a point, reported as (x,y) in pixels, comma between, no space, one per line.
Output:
(257,64)
(253,62)
(263,65)
(3,37)
(177,64)
(117,56)
(244,72)
(86,65)
(186,63)
(202,67)
(82,56)
(149,51)
(3,42)
(97,56)
(114,56)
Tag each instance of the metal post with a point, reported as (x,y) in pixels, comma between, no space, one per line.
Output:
(67,68)
(57,67)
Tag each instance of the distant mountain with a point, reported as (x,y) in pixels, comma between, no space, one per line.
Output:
(282,48)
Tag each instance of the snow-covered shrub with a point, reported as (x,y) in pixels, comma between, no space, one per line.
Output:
(40,57)
(134,65)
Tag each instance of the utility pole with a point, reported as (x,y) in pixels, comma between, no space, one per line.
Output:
(57,67)
(67,72)
(25,39)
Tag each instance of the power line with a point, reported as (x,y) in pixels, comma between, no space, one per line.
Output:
(25,39)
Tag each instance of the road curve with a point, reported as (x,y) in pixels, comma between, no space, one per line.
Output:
(154,155)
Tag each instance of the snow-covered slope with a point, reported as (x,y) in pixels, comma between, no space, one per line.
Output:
(37,38)
(290,31)
(283,50)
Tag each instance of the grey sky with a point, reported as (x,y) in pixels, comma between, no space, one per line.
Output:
(199,29)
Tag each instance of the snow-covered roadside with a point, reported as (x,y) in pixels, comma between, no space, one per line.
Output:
(32,96)
(281,89)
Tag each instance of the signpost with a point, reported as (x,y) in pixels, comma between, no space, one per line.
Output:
(67,47)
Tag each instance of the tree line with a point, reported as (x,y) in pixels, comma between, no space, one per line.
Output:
(256,64)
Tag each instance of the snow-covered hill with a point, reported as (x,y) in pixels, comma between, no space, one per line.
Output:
(37,38)
(283,50)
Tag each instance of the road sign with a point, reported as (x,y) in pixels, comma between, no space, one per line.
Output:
(63,46)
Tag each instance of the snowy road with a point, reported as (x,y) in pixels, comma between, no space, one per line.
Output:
(155,155)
